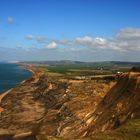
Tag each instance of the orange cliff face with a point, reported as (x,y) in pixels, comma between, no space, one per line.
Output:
(120,104)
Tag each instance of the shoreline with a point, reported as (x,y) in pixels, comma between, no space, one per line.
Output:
(35,72)
(2,95)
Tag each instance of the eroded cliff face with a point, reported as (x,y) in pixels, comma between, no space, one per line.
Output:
(41,107)
(120,104)
(69,105)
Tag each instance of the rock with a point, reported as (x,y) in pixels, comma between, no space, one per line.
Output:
(24,136)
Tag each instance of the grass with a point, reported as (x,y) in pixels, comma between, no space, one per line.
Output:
(76,70)
(128,131)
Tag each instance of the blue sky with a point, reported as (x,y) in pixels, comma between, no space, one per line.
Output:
(86,30)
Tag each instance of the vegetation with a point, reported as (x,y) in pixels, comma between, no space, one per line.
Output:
(85,69)
(128,131)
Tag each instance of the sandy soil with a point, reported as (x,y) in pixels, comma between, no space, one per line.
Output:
(8,91)
(2,96)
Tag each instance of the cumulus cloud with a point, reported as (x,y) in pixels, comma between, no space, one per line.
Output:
(10,19)
(91,41)
(124,41)
(128,39)
(129,33)
(52,45)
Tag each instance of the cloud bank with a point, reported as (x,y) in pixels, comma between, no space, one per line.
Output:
(125,40)
(124,46)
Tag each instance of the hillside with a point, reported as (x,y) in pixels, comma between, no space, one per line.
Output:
(45,107)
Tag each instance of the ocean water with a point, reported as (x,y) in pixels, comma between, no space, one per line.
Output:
(11,75)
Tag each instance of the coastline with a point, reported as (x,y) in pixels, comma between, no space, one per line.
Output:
(35,72)
(2,95)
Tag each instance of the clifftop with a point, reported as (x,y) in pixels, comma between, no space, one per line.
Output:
(43,107)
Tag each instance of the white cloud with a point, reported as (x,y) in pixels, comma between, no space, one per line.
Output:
(90,41)
(10,19)
(125,40)
(128,39)
(52,45)
(124,46)
(100,41)
(86,40)
(129,33)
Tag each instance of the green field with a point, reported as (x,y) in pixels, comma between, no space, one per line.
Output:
(85,69)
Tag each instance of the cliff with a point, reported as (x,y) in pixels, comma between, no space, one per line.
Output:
(46,107)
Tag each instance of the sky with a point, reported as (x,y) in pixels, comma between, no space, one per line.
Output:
(83,30)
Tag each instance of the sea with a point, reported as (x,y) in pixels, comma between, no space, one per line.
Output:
(11,76)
